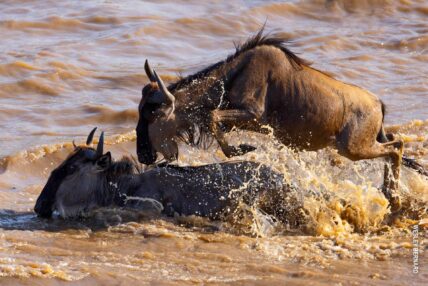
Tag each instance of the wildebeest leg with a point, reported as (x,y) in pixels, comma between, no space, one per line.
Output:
(354,144)
(229,116)
(390,181)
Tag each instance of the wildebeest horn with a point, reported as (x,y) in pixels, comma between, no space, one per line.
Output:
(100,146)
(169,98)
(149,71)
(91,137)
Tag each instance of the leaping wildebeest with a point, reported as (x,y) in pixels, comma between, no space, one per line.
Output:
(264,83)
(89,179)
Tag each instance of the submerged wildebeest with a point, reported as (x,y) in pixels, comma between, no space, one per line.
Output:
(90,179)
(264,83)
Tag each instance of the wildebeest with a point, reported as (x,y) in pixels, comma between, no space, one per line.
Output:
(90,179)
(264,83)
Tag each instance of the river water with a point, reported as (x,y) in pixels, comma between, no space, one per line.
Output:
(66,66)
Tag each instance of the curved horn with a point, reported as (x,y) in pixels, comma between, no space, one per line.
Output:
(91,137)
(74,145)
(100,146)
(149,71)
(169,98)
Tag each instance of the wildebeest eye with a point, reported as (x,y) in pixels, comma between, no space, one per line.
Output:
(149,111)
(71,168)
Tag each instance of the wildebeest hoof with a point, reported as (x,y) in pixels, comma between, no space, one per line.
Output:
(395,203)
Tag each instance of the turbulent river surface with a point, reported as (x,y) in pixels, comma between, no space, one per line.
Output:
(67,66)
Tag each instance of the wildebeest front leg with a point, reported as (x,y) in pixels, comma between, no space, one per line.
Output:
(229,116)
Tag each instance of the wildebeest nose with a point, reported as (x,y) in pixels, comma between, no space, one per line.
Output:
(43,209)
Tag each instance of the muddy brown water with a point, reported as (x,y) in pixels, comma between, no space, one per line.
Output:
(66,66)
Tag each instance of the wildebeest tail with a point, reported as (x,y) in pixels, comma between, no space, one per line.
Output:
(382,137)
(411,163)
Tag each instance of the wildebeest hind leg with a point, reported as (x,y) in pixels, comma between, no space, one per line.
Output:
(230,116)
(357,149)
(392,174)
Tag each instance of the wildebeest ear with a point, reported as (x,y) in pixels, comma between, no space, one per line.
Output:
(103,162)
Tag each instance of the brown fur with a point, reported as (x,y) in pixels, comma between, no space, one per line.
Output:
(265,83)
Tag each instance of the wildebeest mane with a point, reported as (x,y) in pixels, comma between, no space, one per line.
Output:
(256,41)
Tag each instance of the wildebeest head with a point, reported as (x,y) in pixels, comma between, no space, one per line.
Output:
(157,124)
(72,183)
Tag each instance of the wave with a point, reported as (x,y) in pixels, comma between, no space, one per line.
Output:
(56,23)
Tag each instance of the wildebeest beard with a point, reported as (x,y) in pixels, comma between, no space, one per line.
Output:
(145,151)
